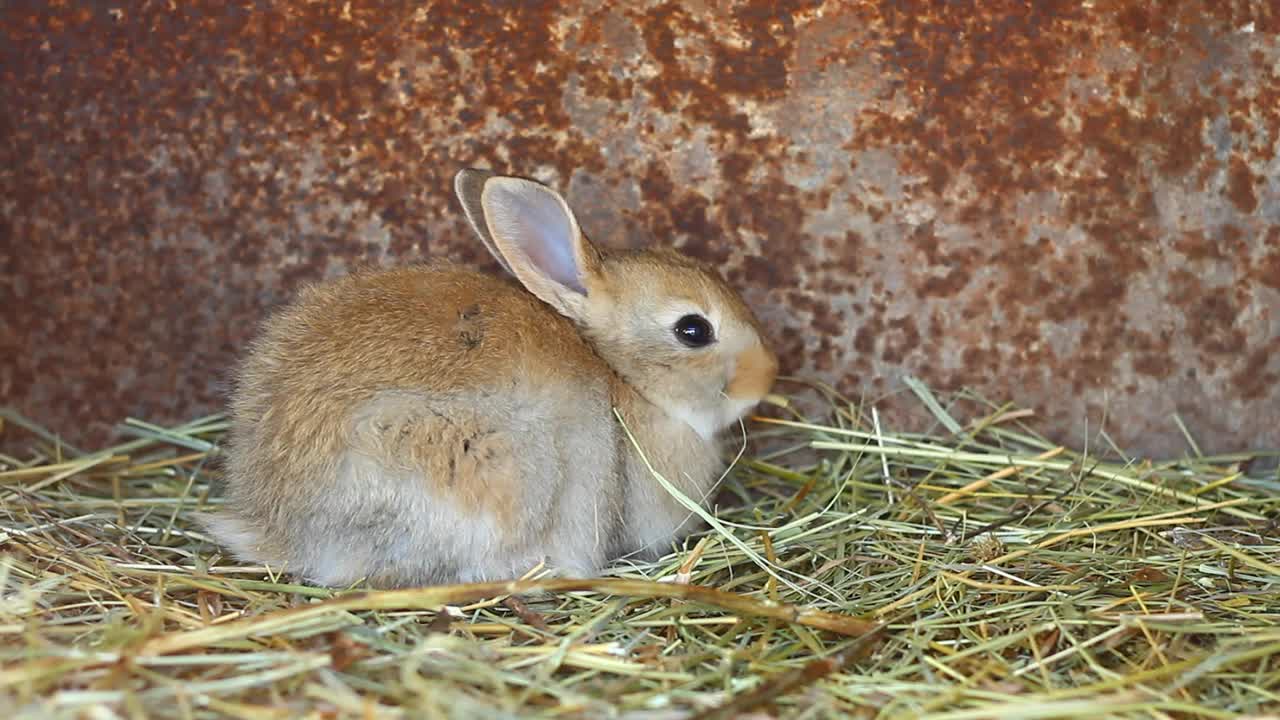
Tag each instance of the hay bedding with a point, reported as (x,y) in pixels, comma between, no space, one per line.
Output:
(977,571)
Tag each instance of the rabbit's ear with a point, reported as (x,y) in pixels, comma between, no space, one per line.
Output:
(467,185)
(537,235)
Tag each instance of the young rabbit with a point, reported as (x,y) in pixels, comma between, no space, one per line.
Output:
(434,424)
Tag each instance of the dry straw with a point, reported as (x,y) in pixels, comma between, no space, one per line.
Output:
(978,571)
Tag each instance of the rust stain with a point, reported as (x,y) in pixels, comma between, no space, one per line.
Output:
(1060,204)
(1240,184)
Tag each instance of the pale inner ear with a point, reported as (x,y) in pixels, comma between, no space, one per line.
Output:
(538,224)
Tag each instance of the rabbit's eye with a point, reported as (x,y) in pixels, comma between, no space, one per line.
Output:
(694,331)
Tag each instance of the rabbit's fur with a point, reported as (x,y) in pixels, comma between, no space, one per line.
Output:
(436,424)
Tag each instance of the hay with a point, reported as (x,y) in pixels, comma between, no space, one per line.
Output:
(978,571)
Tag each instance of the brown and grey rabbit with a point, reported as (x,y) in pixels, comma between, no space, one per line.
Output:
(436,424)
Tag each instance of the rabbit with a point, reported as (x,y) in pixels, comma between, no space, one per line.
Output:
(436,424)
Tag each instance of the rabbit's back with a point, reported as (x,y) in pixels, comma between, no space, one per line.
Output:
(437,327)
(419,424)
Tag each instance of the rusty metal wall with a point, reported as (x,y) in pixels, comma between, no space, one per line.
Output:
(1071,204)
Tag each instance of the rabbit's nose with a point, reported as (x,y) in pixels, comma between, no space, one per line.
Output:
(753,374)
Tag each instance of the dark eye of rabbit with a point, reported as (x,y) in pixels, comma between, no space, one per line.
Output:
(694,331)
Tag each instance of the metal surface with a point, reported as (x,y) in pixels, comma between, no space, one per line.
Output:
(1073,205)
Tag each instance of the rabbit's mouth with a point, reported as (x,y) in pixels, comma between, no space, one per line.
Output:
(748,380)
(708,421)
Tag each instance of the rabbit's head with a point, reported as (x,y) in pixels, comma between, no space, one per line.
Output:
(668,325)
